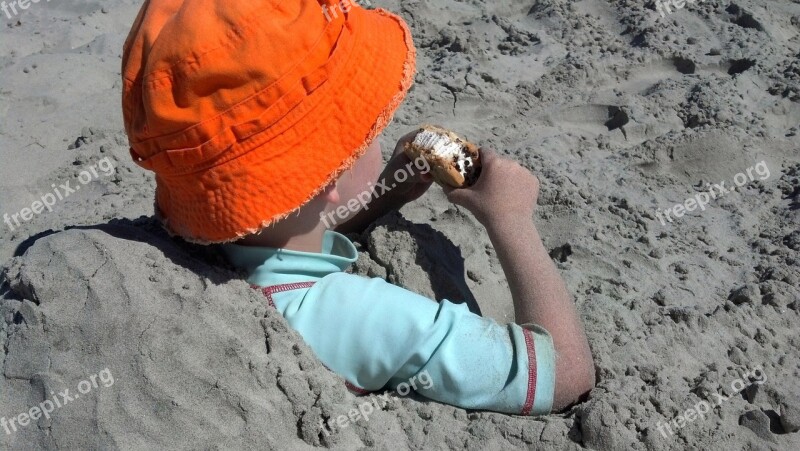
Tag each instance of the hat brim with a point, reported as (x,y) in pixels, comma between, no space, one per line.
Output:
(272,180)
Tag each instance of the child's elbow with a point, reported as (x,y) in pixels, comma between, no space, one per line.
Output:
(586,382)
(573,384)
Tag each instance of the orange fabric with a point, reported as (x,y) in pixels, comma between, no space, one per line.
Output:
(246,109)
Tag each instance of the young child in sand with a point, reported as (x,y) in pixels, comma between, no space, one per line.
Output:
(261,117)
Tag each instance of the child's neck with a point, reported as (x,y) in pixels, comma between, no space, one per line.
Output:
(284,236)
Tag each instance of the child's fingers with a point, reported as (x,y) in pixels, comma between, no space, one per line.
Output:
(408,137)
(458,196)
(448,191)
(487,156)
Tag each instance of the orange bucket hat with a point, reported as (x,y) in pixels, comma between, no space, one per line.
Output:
(246,109)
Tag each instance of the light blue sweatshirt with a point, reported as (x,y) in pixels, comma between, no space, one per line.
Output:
(377,335)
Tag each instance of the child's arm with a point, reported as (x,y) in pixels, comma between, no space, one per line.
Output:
(391,194)
(377,207)
(503,200)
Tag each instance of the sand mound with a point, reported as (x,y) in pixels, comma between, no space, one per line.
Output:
(196,357)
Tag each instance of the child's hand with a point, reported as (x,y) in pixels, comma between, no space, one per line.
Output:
(406,179)
(503,189)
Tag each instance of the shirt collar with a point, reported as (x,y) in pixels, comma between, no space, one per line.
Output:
(267,266)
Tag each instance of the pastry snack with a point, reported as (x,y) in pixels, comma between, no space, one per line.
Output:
(453,161)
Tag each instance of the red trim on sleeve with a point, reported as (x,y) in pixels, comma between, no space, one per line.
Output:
(269,291)
(526,409)
(356,390)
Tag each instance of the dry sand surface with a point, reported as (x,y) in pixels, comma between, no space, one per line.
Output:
(620,112)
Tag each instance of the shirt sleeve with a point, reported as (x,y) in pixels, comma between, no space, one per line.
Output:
(378,335)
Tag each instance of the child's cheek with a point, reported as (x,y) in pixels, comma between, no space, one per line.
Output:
(370,165)
(376,160)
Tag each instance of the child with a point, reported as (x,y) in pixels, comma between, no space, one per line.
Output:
(259,118)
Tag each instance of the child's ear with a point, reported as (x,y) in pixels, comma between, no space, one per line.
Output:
(331,194)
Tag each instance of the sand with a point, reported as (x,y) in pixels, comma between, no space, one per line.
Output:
(621,113)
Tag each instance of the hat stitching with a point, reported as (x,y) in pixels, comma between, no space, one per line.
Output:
(196,128)
(231,33)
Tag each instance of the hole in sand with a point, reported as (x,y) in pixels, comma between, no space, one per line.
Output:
(616,118)
(743,18)
(739,66)
(684,65)
(561,253)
